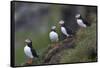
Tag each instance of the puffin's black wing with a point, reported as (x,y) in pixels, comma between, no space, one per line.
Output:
(34,52)
(86,22)
(69,31)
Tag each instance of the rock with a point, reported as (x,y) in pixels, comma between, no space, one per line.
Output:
(53,55)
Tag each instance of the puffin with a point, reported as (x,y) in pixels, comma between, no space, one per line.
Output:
(65,30)
(53,35)
(29,51)
(81,22)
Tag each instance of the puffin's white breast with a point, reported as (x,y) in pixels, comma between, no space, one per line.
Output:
(53,36)
(28,52)
(64,31)
(81,23)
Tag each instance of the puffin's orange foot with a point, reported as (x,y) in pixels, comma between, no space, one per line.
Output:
(29,61)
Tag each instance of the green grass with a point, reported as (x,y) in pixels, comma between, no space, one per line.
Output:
(85,41)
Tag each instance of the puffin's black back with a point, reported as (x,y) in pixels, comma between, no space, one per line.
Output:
(85,21)
(33,50)
(69,31)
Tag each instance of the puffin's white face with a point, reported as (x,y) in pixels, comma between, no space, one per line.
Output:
(61,22)
(53,27)
(27,41)
(77,16)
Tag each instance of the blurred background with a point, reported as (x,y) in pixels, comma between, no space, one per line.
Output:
(34,21)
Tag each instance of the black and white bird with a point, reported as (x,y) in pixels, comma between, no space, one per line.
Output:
(53,35)
(29,51)
(81,22)
(66,31)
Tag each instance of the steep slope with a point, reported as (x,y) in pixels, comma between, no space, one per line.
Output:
(86,47)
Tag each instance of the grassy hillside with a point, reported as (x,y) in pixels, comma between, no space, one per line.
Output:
(85,46)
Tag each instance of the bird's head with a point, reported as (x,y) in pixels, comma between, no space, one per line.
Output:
(53,28)
(28,41)
(61,22)
(77,16)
